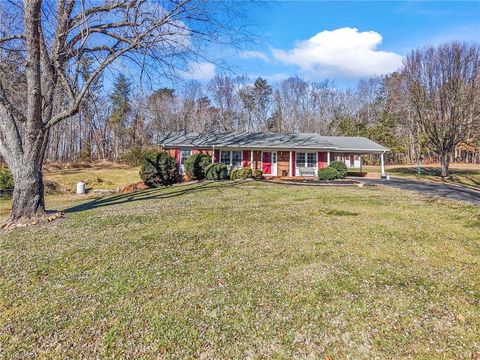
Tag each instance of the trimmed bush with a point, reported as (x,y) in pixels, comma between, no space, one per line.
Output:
(245,173)
(242,174)
(340,167)
(216,172)
(328,173)
(158,168)
(234,174)
(6,179)
(196,164)
(258,174)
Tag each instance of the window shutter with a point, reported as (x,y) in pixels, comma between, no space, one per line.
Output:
(177,158)
(293,164)
(322,160)
(246,158)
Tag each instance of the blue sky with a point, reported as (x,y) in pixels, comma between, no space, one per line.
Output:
(343,40)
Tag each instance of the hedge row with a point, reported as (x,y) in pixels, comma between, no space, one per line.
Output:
(245,173)
(159,169)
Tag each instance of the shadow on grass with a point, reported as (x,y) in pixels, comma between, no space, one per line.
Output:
(152,194)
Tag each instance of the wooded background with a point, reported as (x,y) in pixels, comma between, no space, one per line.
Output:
(113,123)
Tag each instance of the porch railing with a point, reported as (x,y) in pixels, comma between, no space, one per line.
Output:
(306,171)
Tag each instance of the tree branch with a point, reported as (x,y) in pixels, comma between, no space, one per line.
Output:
(74,108)
(8,107)
(12,37)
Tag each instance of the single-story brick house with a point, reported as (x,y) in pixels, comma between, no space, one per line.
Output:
(299,154)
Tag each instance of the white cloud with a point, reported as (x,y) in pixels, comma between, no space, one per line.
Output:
(272,78)
(344,52)
(254,55)
(201,71)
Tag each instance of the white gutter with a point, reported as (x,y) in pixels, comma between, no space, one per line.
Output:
(378,151)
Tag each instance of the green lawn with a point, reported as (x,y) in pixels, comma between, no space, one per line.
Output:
(235,270)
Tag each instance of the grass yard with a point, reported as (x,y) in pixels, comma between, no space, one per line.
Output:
(100,175)
(235,270)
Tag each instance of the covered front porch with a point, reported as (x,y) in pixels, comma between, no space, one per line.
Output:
(291,163)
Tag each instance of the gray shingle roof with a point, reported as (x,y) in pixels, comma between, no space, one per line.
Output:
(266,140)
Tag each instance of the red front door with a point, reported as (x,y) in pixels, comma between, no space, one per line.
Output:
(267,163)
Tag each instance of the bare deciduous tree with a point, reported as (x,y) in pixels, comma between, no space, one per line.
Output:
(222,89)
(443,85)
(44,54)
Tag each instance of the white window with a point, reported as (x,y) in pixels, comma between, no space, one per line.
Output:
(231,158)
(300,159)
(225,157)
(184,155)
(306,160)
(237,158)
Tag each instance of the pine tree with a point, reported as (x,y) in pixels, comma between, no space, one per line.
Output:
(121,109)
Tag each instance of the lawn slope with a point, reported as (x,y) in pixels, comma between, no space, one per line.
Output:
(234,270)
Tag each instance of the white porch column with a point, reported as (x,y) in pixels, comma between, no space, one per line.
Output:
(382,164)
(290,165)
(251,159)
(328,158)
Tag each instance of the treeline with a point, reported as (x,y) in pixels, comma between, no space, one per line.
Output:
(111,125)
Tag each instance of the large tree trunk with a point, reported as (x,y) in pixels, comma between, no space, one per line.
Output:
(25,157)
(26,167)
(444,162)
(28,194)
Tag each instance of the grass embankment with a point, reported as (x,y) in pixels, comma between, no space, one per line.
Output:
(462,174)
(100,175)
(230,270)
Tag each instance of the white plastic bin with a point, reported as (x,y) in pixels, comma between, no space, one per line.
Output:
(80,187)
